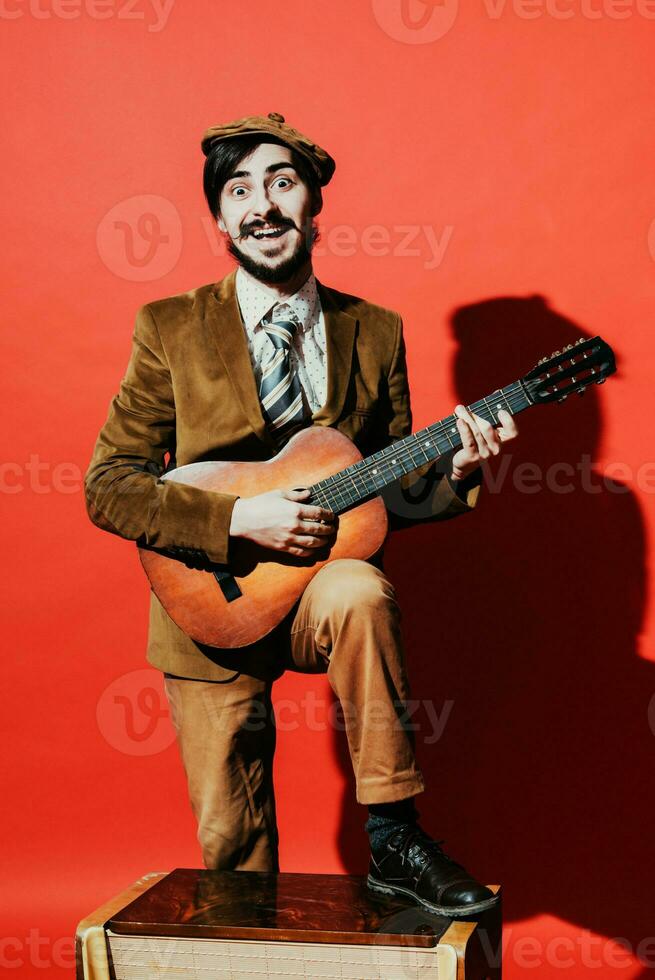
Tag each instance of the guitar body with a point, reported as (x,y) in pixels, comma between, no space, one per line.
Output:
(270,581)
(265,584)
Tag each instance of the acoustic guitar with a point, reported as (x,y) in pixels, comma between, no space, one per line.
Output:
(234,606)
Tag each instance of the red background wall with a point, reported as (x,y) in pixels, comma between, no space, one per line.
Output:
(519,137)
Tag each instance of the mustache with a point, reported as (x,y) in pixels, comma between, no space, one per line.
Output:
(275,223)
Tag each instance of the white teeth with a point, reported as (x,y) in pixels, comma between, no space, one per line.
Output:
(268,232)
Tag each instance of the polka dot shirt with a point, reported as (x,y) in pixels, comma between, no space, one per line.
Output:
(307,356)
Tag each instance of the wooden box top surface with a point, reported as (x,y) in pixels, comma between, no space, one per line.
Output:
(322,908)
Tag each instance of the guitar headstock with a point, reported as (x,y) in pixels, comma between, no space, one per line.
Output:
(574,368)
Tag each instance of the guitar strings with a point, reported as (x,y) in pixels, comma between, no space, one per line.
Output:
(436,428)
(515,399)
(345,480)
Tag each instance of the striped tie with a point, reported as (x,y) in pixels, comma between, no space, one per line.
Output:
(279,388)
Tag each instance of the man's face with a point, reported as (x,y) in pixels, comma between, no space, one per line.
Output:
(266,210)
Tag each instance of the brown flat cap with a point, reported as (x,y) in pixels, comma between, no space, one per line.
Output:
(274,125)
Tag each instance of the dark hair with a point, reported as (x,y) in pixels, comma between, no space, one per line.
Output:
(225,155)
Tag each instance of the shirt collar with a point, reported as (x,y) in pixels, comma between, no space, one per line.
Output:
(255,300)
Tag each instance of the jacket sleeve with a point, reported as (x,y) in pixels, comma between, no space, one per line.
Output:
(428,493)
(123,488)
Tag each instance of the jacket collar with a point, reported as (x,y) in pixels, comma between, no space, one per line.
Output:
(224,323)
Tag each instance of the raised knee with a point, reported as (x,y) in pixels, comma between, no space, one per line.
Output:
(352,584)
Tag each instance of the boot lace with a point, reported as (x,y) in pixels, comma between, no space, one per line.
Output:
(427,848)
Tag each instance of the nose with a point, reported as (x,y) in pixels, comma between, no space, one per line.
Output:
(261,202)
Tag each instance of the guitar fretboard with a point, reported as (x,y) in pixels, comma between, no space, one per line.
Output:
(367,477)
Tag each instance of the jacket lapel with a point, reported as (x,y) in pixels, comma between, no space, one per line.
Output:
(226,327)
(339,339)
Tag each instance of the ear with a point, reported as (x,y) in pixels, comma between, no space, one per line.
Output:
(221,224)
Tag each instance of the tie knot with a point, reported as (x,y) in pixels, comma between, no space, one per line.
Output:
(281,328)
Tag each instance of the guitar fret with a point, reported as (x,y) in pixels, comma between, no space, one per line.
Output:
(421,443)
(367,477)
(501,392)
(414,447)
(490,411)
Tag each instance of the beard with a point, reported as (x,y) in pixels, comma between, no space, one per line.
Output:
(286,269)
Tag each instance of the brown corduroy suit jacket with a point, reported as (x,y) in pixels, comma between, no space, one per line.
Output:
(189,394)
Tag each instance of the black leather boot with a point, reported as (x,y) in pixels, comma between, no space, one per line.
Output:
(413,865)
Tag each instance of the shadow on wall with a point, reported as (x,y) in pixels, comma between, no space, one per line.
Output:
(521,623)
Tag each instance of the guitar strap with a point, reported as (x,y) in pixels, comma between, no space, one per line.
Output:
(228,584)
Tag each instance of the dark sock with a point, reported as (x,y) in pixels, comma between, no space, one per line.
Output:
(384,819)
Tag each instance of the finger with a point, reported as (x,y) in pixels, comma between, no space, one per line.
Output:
(489,433)
(309,512)
(508,428)
(305,541)
(479,443)
(300,552)
(468,439)
(466,435)
(307,527)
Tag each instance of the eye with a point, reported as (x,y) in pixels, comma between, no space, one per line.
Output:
(238,190)
(283,182)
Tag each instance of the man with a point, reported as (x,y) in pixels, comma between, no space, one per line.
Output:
(230,371)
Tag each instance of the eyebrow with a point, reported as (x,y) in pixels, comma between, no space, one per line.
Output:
(273,168)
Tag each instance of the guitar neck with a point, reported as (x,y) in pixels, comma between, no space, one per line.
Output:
(367,477)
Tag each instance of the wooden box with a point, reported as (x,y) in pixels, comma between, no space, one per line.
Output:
(234,925)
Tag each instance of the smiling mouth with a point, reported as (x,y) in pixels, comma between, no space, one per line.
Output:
(268,234)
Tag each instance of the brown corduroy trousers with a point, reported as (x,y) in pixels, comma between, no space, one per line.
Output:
(345,624)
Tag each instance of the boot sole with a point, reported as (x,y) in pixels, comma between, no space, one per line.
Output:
(451,910)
